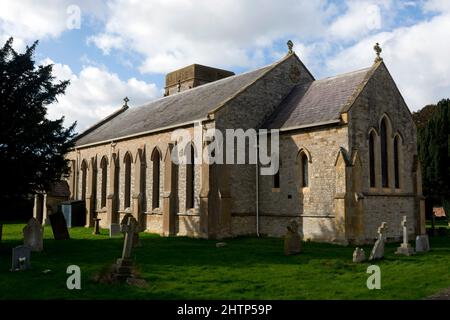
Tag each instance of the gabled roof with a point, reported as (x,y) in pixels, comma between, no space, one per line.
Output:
(318,102)
(187,106)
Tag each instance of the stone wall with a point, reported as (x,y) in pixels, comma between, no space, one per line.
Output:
(147,143)
(381,98)
(313,206)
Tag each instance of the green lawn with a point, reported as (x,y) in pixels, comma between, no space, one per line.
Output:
(247,268)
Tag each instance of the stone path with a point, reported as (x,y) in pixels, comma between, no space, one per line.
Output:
(442,295)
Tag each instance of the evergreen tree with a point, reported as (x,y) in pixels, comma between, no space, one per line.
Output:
(32,147)
(434,153)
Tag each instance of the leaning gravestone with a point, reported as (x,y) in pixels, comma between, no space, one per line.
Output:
(405,248)
(123,268)
(21,258)
(359,255)
(136,240)
(292,240)
(114,230)
(378,248)
(33,234)
(59,226)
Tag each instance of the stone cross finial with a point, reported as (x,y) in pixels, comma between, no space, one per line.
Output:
(290,46)
(378,50)
(126,101)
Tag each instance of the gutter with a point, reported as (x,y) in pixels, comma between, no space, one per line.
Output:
(305,126)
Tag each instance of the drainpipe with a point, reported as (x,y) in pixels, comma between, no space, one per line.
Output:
(257,184)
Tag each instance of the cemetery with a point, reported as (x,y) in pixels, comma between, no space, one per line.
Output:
(34,261)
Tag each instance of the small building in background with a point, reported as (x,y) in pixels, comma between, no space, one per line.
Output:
(46,203)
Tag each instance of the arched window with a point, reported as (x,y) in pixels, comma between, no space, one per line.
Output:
(304,166)
(397,162)
(156,161)
(127,191)
(104,174)
(190,177)
(372,159)
(83,179)
(384,154)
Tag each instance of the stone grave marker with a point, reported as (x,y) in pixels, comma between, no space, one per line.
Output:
(405,248)
(124,265)
(59,226)
(359,255)
(378,248)
(21,258)
(96,226)
(33,235)
(136,240)
(292,240)
(114,230)
(422,243)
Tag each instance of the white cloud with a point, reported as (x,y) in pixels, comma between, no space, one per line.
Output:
(95,93)
(361,18)
(229,33)
(417,57)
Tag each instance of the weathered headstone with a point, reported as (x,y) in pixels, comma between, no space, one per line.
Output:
(59,226)
(137,229)
(124,265)
(378,248)
(33,235)
(359,255)
(96,226)
(21,258)
(405,248)
(292,240)
(114,230)
(422,243)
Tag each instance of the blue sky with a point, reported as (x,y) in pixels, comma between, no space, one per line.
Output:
(125,47)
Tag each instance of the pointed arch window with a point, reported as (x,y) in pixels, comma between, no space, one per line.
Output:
(372,140)
(190,177)
(127,191)
(83,179)
(384,154)
(303,169)
(156,161)
(397,162)
(104,175)
(276,178)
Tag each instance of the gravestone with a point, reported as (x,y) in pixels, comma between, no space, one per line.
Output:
(136,240)
(59,226)
(359,255)
(33,234)
(114,230)
(292,240)
(378,248)
(96,226)
(422,243)
(405,248)
(21,258)
(124,265)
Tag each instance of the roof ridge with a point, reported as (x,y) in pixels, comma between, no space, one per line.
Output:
(345,74)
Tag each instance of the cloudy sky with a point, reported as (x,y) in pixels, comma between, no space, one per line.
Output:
(117,48)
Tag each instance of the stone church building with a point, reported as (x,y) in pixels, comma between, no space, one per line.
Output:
(348,157)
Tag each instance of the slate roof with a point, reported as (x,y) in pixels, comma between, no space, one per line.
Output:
(190,105)
(317,102)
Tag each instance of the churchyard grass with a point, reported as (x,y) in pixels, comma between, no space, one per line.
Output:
(247,268)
